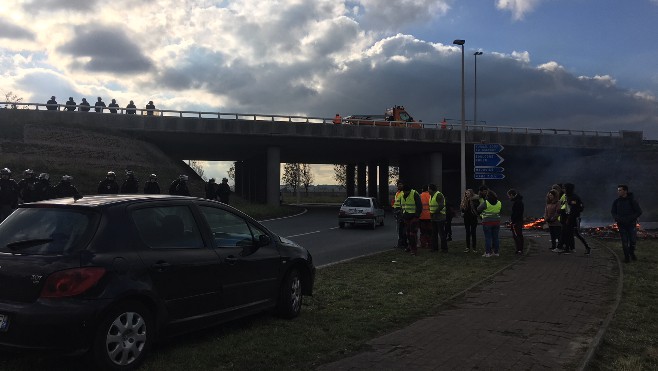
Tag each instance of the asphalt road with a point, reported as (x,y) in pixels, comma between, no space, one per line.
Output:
(317,230)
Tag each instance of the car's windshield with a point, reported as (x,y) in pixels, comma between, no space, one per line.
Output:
(46,231)
(357,202)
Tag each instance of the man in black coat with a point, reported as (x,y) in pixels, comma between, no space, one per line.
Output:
(625,211)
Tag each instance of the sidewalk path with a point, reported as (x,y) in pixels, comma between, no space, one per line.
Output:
(540,314)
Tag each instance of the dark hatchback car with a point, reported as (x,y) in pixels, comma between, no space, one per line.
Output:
(108,275)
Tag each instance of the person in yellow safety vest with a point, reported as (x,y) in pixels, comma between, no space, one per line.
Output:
(438,217)
(562,217)
(425,222)
(338,119)
(411,208)
(397,212)
(489,210)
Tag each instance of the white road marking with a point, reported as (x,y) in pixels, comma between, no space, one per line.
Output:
(307,233)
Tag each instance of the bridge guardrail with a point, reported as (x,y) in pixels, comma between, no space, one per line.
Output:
(317,120)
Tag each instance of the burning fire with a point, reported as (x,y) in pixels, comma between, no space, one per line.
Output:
(609,231)
(534,224)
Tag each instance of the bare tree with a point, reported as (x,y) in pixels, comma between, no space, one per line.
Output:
(12,100)
(305,176)
(340,175)
(393,174)
(231,172)
(291,176)
(197,167)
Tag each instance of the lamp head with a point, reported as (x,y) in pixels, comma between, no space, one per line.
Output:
(459,42)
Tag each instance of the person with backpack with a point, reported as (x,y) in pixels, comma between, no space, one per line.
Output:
(573,208)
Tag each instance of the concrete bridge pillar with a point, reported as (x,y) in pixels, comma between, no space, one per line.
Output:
(383,184)
(349,179)
(361,179)
(273,178)
(372,179)
(436,169)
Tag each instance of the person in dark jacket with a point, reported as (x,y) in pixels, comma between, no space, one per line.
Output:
(224,191)
(109,185)
(26,186)
(151,186)
(625,211)
(573,208)
(51,105)
(43,190)
(516,219)
(84,105)
(70,104)
(65,188)
(100,105)
(150,107)
(113,106)
(130,184)
(469,204)
(131,108)
(211,189)
(179,186)
(8,194)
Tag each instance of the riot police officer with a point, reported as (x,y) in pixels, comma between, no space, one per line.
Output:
(26,186)
(43,190)
(211,189)
(109,185)
(130,184)
(8,194)
(65,188)
(151,186)
(179,186)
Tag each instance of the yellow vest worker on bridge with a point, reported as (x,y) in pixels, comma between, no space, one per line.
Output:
(411,208)
(397,212)
(425,222)
(438,217)
(338,119)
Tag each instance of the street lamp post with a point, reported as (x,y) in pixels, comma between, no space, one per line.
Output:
(475,89)
(463,129)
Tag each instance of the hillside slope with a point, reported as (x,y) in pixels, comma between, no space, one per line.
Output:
(87,156)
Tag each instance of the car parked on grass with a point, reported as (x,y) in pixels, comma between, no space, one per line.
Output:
(361,211)
(108,275)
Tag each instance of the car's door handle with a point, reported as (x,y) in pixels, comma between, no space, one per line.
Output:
(161,266)
(231,260)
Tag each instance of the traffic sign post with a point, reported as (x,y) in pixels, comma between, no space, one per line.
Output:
(486,160)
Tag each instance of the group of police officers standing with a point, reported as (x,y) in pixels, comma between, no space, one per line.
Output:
(34,188)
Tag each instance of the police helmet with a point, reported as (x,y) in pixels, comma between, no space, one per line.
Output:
(111,174)
(44,176)
(153,177)
(129,173)
(211,180)
(5,171)
(67,178)
(182,177)
(28,172)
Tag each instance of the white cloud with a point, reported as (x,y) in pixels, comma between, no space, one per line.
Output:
(518,8)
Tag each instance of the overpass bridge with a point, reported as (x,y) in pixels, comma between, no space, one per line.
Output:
(258,143)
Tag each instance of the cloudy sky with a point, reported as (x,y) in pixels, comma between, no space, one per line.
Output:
(582,64)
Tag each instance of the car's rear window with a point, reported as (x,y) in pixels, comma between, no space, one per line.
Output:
(47,231)
(357,202)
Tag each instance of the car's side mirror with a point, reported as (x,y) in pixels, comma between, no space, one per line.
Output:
(264,240)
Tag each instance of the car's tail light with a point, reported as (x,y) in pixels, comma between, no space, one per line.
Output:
(71,282)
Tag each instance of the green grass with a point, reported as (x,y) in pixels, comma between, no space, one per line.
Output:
(631,341)
(352,303)
(359,300)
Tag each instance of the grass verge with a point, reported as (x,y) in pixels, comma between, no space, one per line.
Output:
(630,343)
(353,303)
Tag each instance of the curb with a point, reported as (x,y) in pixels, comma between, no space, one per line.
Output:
(598,338)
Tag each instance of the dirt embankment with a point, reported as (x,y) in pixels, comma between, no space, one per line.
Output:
(87,156)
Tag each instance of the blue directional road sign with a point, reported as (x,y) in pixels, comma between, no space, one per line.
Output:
(488,148)
(489,176)
(489,169)
(487,159)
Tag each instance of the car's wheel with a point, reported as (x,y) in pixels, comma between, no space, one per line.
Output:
(123,337)
(290,295)
(341,225)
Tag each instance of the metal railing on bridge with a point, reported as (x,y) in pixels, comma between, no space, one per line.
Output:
(308,119)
